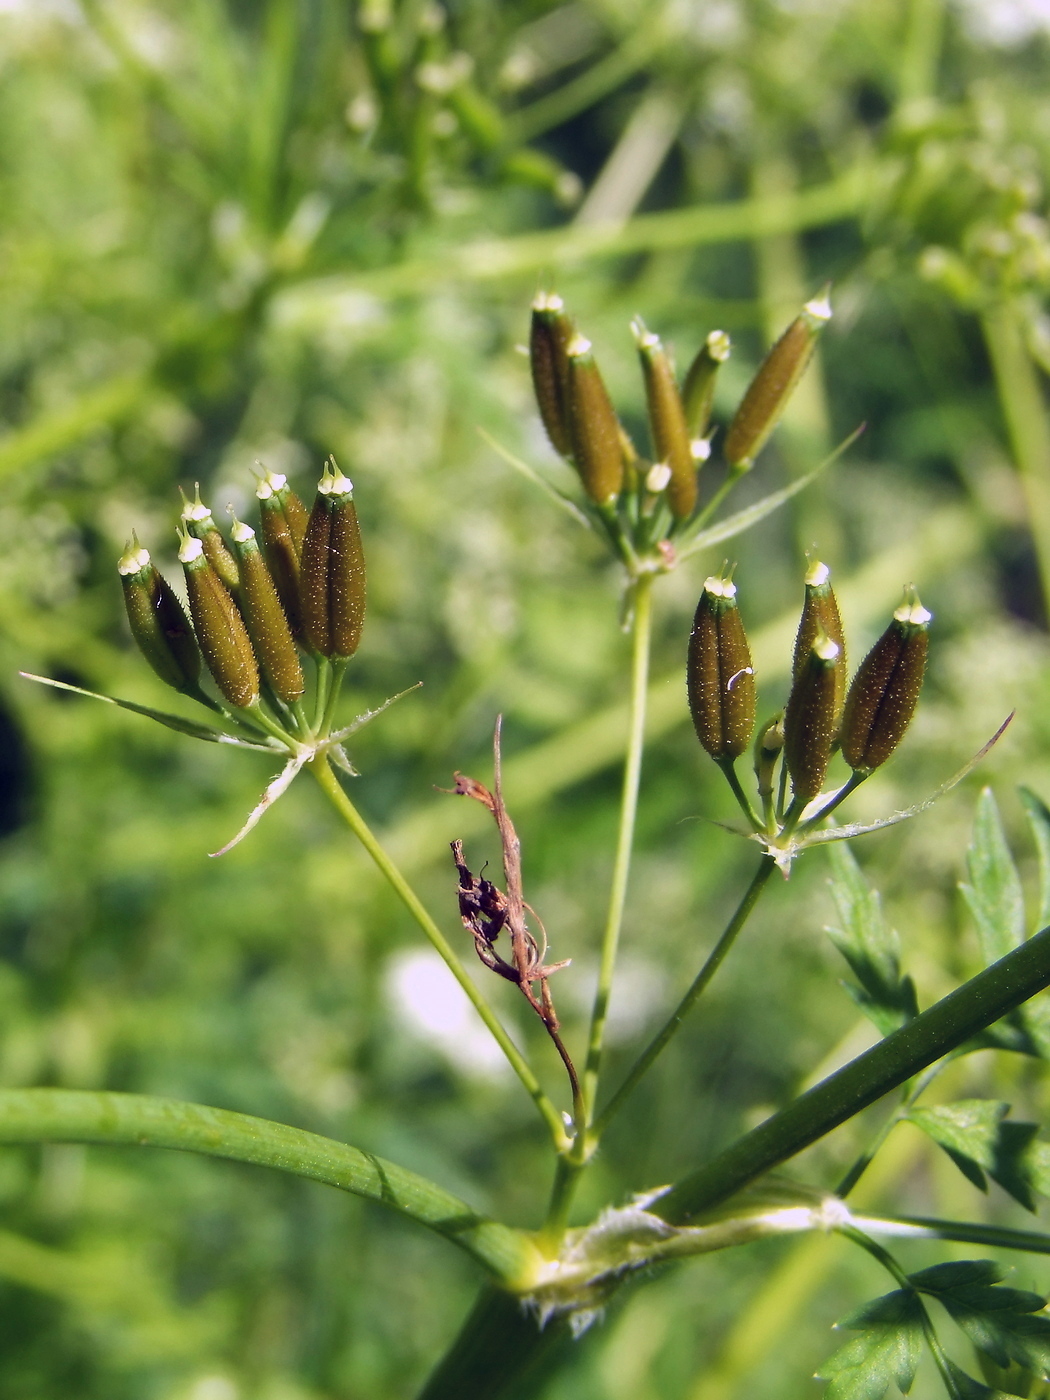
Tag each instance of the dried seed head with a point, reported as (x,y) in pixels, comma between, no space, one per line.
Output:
(820,613)
(264,617)
(332,573)
(720,677)
(768,393)
(158,623)
(667,422)
(283,521)
(885,690)
(769,745)
(197,518)
(549,336)
(594,429)
(698,387)
(809,720)
(220,627)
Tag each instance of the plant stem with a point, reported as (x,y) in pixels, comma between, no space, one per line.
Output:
(728,767)
(140,1120)
(333,790)
(935,1033)
(714,960)
(628,810)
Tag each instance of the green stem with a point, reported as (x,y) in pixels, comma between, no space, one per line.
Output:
(628,810)
(935,1033)
(923,1227)
(333,790)
(566,1176)
(716,500)
(714,960)
(338,666)
(499,1349)
(728,767)
(139,1120)
(864,1161)
(322,677)
(850,786)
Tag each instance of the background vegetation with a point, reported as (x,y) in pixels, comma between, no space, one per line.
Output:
(237,231)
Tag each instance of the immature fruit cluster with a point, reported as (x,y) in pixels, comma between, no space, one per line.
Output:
(645,502)
(301,580)
(867,723)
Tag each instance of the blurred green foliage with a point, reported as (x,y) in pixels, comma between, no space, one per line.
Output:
(234,232)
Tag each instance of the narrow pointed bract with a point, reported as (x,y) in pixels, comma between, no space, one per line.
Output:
(777,377)
(698,386)
(549,335)
(720,676)
(265,619)
(220,627)
(158,622)
(885,690)
(198,520)
(597,449)
(667,423)
(332,571)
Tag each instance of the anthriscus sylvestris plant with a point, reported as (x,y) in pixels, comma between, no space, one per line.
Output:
(273,618)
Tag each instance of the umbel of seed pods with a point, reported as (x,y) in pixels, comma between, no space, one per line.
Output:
(583,427)
(866,723)
(255,601)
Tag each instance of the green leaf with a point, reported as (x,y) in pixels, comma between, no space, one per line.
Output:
(1039,820)
(887,1349)
(994,892)
(969,1389)
(978,1140)
(871,948)
(999,1321)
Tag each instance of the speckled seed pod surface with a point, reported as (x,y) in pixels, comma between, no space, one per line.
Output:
(199,522)
(768,393)
(885,690)
(332,570)
(220,627)
(549,335)
(698,387)
(719,674)
(809,720)
(820,613)
(667,425)
(593,426)
(267,625)
(282,525)
(158,622)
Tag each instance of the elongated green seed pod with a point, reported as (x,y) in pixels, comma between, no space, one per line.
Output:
(820,613)
(549,336)
(594,430)
(158,623)
(768,393)
(264,617)
(667,425)
(809,720)
(332,573)
(698,386)
(885,690)
(720,677)
(769,744)
(197,518)
(283,521)
(220,627)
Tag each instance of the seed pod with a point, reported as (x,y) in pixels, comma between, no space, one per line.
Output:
(698,387)
(593,426)
(809,720)
(768,393)
(198,521)
(667,423)
(283,520)
(820,612)
(220,627)
(769,745)
(882,698)
(721,679)
(158,623)
(549,336)
(264,617)
(332,577)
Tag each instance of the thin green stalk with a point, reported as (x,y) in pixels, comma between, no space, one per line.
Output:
(566,1176)
(728,767)
(716,500)
(850,786)
(333,790)
(642,638)
(935,1033)
(323,677)
(140,1120)
(338,666)
(714,960)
